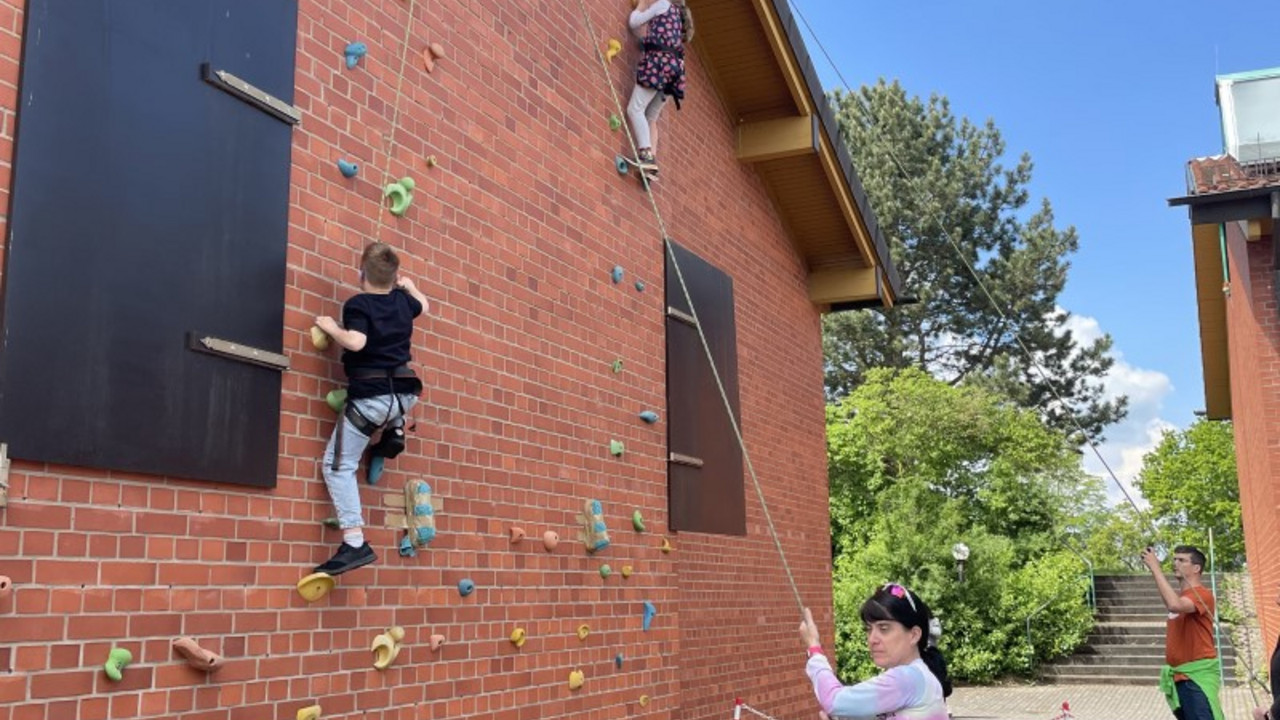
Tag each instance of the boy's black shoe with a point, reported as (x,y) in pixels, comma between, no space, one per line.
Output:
(347,558)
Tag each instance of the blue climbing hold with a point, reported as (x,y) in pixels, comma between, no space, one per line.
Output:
(406,547)
(649,416)
(597,508)
(466,587)
(649,611)
(354,52)
(348,169)
(617,661)
(376,464)
(640,286)
(425,535)
(617,274)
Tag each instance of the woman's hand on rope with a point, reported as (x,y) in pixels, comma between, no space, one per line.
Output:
(809,630)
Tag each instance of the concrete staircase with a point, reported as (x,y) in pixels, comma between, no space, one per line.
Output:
(1126,646)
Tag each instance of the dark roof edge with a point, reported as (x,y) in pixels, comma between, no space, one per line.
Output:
(832,128)
(1229,195)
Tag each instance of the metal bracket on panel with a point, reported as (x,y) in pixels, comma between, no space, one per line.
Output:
(688,460)
(4,475)
(682,316)
(260,99)
(237,351)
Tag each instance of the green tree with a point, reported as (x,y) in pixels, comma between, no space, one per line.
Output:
(917,465)
(925,171)
(1190,481)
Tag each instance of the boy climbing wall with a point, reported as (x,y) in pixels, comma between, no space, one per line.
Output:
(376,335)
(665,27)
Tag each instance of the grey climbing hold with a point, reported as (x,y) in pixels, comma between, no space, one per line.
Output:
(466,587)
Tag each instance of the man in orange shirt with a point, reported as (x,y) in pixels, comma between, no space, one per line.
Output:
(1191,676)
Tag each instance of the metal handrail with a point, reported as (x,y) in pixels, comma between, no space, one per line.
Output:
(1093,591)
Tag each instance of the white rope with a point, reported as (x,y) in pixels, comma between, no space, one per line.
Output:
(395,111)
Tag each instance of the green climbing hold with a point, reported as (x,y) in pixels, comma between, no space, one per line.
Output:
(637,521)
(336,399)
(615,122)
(640,286)
(617,365)
(331,522)
(117,660)
(605,571)
(616,447)
(400,195)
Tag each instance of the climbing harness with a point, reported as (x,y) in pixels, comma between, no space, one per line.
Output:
(392,442)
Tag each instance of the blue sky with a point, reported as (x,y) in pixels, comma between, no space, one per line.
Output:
(1110,99)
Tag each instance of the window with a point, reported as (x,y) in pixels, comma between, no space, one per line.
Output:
(149,212)
(704,476)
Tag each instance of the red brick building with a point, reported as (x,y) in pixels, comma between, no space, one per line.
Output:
(177,219)
(1234,201)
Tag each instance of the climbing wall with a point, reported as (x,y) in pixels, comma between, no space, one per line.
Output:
(516,220)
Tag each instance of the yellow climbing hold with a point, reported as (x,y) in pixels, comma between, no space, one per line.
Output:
(644,701)
(583,631)
(615,47)
(315,586)
(386,647)
(309,713)
(518,637)
(319,338)
(626,571)
(576,679)
(666,546)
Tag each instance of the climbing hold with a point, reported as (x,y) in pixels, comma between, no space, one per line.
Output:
(386,646)
(617,661)
(550,539)
(196,656)
(616,447)
(622,164)
(665,546)
(616,274)
(311,712)
(117,660)
(331,522)
(583,631)
(437,642)
(399,195)
(6,587)
(576,679)
(649,612)
(347,168)
(615,122)
(354,52)
(428,62)
(518,637)
(615,47)
(420,513)
(637,521)
(377,464)
(406,546)
(594,535)
(639,286)
(644,701)
(617,365)
(626,571)
(436,50)
(517,534)
(430,161)
(649,416)
(315,586)
(319,339)
(605,571)
(336,399)
(466,587)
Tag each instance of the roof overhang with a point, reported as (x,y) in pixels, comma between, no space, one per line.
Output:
(788,132)
(1252,213)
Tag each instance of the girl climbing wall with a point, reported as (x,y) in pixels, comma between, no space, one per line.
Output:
(665,27)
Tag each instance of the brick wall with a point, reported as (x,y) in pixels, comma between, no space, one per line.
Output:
(1253,336)
(512,236)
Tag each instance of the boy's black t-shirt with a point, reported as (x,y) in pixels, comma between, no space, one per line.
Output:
(387,323)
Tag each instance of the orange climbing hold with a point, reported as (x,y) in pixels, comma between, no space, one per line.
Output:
(196,656)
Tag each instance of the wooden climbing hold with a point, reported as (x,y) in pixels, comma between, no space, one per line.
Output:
(319,339)
(612,50)
(347,168)
(315,586)
(637,521)
(576,679)
(518,637)
(517,534)
(117,660)
(583,631)
(594,533)
(626,571)
(550,539)
(196,656)
(386,646)
(437,642)
(311,712)
(354,52)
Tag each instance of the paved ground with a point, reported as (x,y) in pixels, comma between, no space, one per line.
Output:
(1088,702)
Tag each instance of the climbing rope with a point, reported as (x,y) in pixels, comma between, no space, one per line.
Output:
(395,109)
(684,288)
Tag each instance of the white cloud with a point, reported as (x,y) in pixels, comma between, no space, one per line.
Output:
(1139,433)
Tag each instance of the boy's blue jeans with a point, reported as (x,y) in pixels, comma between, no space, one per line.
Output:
(343,487)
